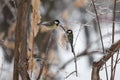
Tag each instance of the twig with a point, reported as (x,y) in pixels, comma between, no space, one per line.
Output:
(69,74)
(74,59)
(84,53)
(98,25)
(46,57)
(113,33)
(6,2)
(72,51)
(113,24)
(97,65)
(100,35)
(77,36)
(63,28)
(115,64)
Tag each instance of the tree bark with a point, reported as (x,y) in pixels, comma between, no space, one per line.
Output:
(20,52)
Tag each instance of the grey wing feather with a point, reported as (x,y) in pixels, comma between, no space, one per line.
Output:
(46,23)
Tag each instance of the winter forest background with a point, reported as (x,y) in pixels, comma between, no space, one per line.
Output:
(26,53)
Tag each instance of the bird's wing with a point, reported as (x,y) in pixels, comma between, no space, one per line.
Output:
(46,23)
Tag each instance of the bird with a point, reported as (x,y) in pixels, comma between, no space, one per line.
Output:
(46,31)
(69,38)
(49,25)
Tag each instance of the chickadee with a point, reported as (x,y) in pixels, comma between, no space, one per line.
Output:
(50,25)
(69,36)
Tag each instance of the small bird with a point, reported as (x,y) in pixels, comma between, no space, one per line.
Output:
(69,36)
(49,25)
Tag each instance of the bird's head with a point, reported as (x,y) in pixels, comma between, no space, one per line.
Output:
(57,22)
(69,31)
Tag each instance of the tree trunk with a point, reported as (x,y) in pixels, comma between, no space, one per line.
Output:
(20,56)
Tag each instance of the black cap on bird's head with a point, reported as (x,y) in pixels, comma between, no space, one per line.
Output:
(57,22)
(69,31)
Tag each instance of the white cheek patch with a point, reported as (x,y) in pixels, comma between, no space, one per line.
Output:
(56,22)
(69,32)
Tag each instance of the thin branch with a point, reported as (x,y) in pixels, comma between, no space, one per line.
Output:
(70,74)
(113,33)
(74,59)
(116,61)
(100,35)
(77,35)
(63,28)
(97,65)
(84,53)
(113,26)
(45,58)
(72,48)
(98,24)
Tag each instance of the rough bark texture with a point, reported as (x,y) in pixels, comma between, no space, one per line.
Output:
(20,57)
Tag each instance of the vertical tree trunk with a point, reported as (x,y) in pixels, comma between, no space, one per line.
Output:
(20,57)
